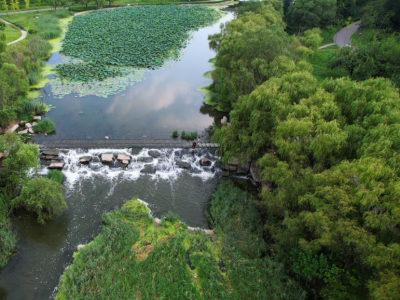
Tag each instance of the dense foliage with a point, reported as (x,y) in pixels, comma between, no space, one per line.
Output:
(328,155)
(251,49)
(55,175)
(378,58)
(131,258)
(20,66)
(142,37)
(18,189)
(42,196)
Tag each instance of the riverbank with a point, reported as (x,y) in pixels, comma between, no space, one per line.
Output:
(136,256)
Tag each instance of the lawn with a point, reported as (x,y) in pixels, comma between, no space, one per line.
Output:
(321,61)
(12,33)
(327,36)
(25,20)
(363,36)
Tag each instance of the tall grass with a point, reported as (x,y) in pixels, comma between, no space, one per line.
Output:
(55,175)
(7,237)
(48,27)
(133,259)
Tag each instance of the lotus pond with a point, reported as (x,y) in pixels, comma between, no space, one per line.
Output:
(141,102)
(142,37)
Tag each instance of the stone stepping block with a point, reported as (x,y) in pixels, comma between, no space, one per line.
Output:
(56,165)
(107,158)
(85,160)
(125,159)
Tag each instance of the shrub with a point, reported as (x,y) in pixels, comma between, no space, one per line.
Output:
(46,126)
(27,108)
(175,133)
(48,27)
(2,25)
(38,47)
(7,240)
(62,14)
(189,136)
(43,197)
(55,175)
(169,217)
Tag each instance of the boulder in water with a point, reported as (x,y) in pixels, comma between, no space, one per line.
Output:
(85,159)
(56,165)
(154,153)
(146,159)
(183,164)
(148,169)
(107,158)
(205,162)
(54,152)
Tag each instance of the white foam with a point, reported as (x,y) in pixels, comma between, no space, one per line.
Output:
(163,167)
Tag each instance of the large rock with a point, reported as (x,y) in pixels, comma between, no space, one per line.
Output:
(30,130)
(49,157)
(243,169)
(254,172)
(154,153)
(37,117)
(124,157)
(23,131)
(148,169)
(15,127)
(85,159)
(28,125)
(107,158)
(183,164)
(146,159)
(55,152)
(205,162)
(233,162)
(56,165)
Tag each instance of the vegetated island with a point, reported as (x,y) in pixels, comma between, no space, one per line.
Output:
(135,257)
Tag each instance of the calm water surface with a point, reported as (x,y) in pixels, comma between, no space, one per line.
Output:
(166,100)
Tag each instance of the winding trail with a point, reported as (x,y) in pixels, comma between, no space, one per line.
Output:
(23,32)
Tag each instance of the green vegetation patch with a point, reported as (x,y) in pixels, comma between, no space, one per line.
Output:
(135,258)
(321,64)
(142,37)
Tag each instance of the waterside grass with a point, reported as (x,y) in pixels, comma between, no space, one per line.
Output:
(135,257)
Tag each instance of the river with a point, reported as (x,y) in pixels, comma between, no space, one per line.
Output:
(167,99)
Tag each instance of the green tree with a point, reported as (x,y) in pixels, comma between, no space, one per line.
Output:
(26,3)
(377,59)
(13,84)
(42,196)
(19,159)
(4,5)
(308,14)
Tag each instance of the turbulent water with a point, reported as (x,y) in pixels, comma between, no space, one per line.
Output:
(44,251)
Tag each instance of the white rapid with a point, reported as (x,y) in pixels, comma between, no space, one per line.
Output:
(169,165)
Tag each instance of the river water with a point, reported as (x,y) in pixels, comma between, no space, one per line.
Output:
(167,99)
(164,100)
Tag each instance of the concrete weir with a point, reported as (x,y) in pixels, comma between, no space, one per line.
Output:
(117,144)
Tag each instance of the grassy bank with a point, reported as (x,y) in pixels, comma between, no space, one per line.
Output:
(135,258)
(320,64)
(11,33)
